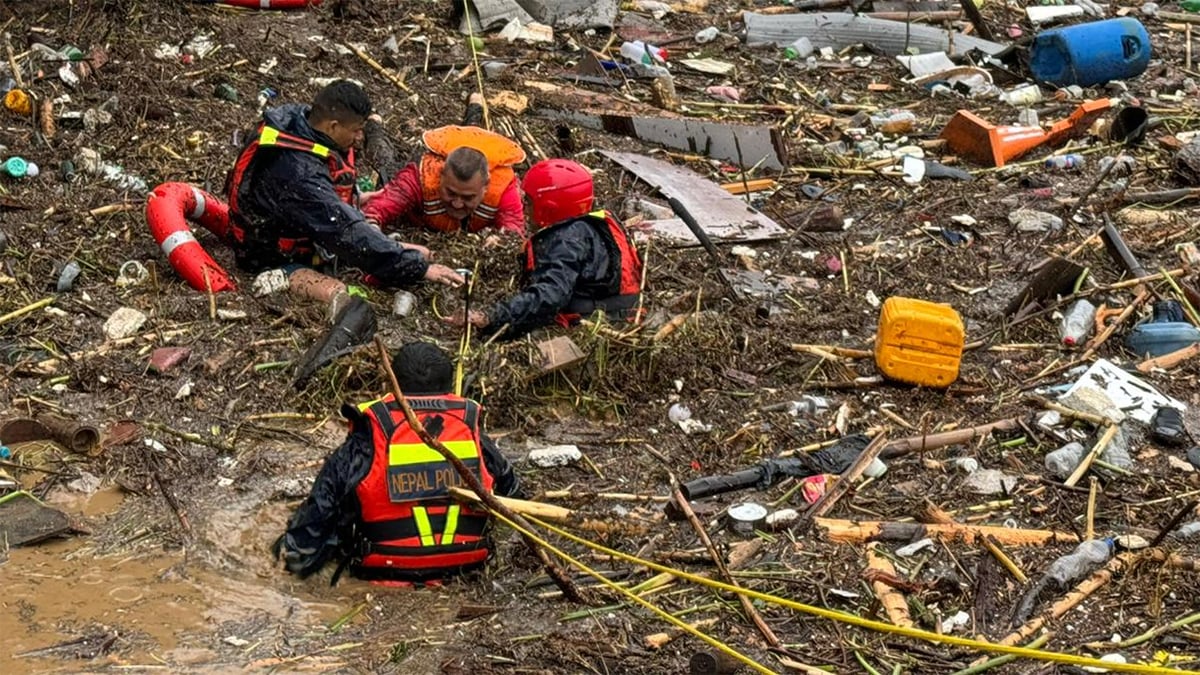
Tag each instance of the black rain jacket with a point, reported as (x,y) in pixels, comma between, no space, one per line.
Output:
(290,194)
(319,530)
(572,265)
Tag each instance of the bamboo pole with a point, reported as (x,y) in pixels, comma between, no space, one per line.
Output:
(844,482)
(17,313)
(892,600)
(1069,601)
(1086,463)
(555,572)
(378,67)
(904,446)
(551,512)
(851,532)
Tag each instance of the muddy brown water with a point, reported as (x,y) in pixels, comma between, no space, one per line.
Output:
(186,609)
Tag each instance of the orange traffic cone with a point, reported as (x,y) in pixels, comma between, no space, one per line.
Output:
(976,139)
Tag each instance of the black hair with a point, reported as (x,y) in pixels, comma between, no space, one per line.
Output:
(423,369)
(343,101)
(466,163)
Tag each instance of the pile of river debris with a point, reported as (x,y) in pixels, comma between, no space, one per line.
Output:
(912,390)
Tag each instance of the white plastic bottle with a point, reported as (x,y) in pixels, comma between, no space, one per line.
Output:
(707,35)
(1077,323)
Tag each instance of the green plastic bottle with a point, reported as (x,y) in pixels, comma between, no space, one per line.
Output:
(1190,5)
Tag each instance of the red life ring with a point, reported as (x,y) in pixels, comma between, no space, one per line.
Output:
(168,208)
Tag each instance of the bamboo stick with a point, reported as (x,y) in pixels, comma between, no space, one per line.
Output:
(26,310)
(1084,465)
(892,600)
(378,67)
(1069,601)
(852,532)
(844,483)
(934,514)
(823,350)
(551,512)
(904,446)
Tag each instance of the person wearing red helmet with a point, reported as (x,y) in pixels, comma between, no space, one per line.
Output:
(577,262)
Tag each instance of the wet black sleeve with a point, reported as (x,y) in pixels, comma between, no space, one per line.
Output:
(560,260)
(312,536)
(309,200)
(507,482)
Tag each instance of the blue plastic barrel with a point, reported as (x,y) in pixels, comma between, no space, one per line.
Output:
(1091,53)
(1155,339)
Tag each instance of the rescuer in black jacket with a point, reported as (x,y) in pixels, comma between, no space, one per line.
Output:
(323,525)
(578,261)
(293,195)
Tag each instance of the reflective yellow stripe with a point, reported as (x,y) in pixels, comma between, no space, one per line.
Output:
(270,136)
(451,525)
(402,454)
(423,527)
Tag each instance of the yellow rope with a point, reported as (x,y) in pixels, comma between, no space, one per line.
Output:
(712,641)
(853,620)
(487,119)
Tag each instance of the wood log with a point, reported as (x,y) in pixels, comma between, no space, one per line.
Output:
(1168,361)
(892,600)
(851,532)
(905,446)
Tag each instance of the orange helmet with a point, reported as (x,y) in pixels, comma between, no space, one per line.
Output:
(559,189)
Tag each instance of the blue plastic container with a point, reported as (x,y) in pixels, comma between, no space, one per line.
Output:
(1091,53)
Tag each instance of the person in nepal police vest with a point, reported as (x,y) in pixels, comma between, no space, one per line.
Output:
(293,195)
(463,182)
(380,500)
(577,262)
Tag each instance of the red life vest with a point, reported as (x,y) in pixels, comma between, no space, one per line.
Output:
(625,270)
(502,154)
(409,526)
(341,171)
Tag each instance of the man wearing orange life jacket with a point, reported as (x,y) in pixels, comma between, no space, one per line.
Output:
(464,182)
(380,500)
(578,261)
(292,194)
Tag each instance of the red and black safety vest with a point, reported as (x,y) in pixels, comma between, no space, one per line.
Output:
(625,270)
(408,522)
(341,171)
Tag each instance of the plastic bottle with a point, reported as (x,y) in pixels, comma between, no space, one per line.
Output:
(1077,323)
(1190,5)
(1080,562)
(1062,462)
(640,52)
(1071,161)
(1188,530)
(800,49)
(897,122)
(707,35)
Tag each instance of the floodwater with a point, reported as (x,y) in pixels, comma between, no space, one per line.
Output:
(179,610)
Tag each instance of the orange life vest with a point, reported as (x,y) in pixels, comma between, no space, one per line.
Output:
(502,155)
(409,525)
(625,269)
(341,171)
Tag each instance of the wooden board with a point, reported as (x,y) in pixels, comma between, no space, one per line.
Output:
(724,217)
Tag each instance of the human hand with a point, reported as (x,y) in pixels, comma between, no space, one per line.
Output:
(426,253)
(444,275)
(477,319)
(365,198)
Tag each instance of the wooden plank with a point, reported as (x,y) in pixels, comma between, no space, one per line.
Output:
(722,216)
(558,353)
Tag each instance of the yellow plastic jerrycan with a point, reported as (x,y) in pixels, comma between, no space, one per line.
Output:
(919,342)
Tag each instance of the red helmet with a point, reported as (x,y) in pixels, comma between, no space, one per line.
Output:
(559,189)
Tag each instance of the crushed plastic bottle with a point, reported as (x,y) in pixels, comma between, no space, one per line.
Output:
(707,35)
(1077,323)
(1079,563)
(1061,463)
(800,49)
(90,162)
